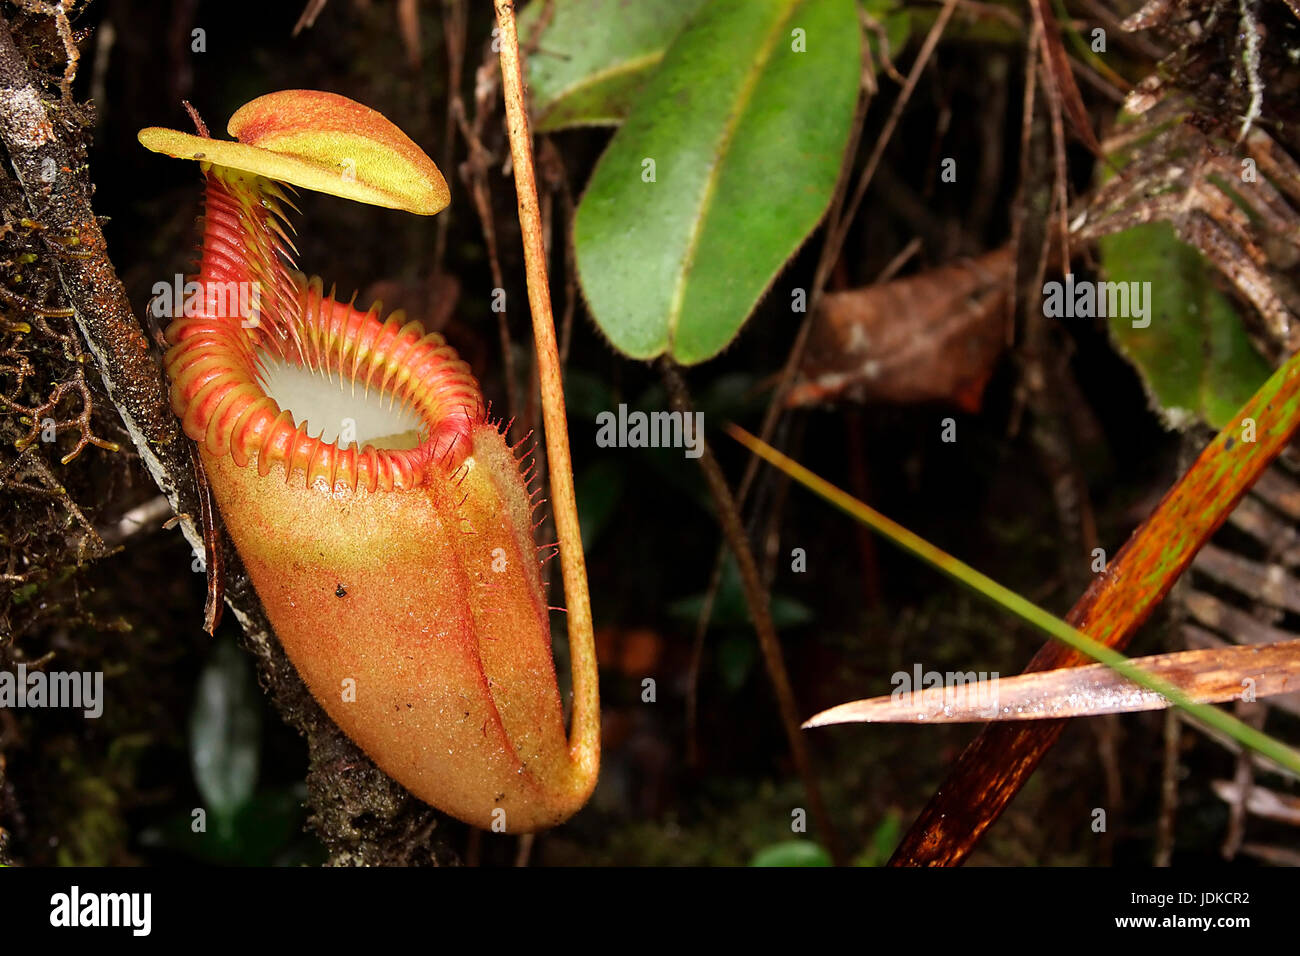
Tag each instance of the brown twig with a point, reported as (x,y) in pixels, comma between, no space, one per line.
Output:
(558,177)
(525,851)
(215,558)
(307,19)
(474,172)
(1243,781)
(1019,204)
(761,613)
(835,240)
(1060,182)
(1173,728)
(1106,730)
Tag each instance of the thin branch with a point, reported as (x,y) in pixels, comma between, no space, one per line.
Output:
(760,611)
(1173,730)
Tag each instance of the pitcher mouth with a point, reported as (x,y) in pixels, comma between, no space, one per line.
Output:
(339,396)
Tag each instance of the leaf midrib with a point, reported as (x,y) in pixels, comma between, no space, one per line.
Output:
(710,186)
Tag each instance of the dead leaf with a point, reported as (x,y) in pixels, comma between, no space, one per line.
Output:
(1261,802)
(1209,676)
(931,337)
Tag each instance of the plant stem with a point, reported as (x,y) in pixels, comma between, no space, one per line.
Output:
(584,736)
(760,611)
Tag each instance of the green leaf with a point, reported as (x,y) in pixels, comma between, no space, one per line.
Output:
(883,841)
(1194,357)
(226,733)
(897,24)
(746,137)
(594,55)
(262,832)
(792,853)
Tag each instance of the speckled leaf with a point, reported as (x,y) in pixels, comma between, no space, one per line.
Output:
(1194,357)
(746,136)
(593,55)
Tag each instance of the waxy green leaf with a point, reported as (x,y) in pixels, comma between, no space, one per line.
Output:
(592,56)
(725,163)
(1194,357)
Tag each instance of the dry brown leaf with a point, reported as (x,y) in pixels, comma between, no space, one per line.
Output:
(932,337)
(1208,676)
(1262,802)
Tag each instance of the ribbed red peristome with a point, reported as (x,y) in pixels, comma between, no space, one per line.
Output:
(214,359)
